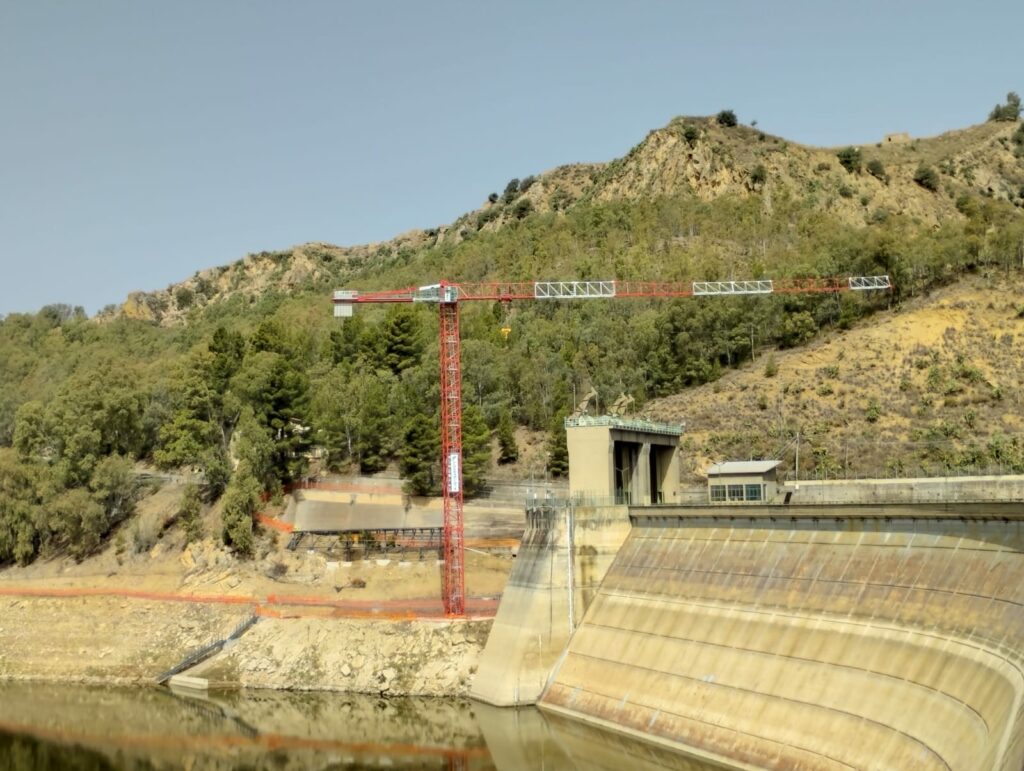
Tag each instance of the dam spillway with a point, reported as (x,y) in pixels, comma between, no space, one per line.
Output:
(810,637)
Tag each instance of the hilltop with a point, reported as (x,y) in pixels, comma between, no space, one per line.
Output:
(693,157)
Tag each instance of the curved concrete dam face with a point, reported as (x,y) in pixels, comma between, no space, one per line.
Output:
(872,637)
(562,558)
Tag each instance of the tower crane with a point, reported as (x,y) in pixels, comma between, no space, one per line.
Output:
(448,295)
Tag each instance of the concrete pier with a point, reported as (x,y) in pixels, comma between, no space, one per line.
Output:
(562,547)
(810,637)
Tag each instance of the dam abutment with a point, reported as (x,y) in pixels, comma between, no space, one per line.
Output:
(563,557)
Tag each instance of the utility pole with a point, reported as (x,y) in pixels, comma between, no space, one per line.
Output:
(798,455)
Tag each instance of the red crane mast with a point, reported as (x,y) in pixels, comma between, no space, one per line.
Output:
(448,295)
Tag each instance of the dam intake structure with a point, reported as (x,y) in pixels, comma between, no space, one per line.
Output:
(811,637)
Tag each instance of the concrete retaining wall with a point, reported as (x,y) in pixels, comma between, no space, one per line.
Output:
(820,639)
(330,510)
(561,547)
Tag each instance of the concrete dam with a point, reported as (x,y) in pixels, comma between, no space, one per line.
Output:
(775,636)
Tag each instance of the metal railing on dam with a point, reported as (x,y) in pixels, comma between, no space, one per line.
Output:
(810,637)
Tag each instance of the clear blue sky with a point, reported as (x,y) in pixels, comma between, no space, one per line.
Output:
(141,141)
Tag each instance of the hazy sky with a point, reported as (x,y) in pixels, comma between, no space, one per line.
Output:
(141,141)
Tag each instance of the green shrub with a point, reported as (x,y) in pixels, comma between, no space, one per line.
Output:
(877,170)
(759,175)
(797,329)
(927,177)
(873,411)
(771,367)
(189,510)
(560,199)
(522,208)
(850,159)
(508,450)
(970,418)
(726,118)
(1006,112)
(846,191)
(183,297)
(511,189)
(879,216)
(970,373)
(691,134)
(488,215)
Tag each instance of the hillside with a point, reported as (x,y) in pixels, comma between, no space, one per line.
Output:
(240,372)
(694,157)
(932,388)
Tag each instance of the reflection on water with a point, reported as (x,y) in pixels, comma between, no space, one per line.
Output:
(45,726)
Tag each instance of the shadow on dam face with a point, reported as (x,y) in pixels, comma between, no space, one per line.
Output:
(842,638)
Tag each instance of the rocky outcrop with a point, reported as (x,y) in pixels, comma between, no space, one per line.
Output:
(404,658)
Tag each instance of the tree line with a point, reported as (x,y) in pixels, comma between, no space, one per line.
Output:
(251,383)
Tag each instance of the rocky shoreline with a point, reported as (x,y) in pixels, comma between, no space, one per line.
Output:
(108,641)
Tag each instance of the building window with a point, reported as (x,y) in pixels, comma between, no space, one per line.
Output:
(717,493)
(754,492)
(735,492)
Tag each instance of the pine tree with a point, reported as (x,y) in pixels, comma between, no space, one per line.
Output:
(419,457)
(402,347)
(558,449)
(228,349)
(374,423)
(476,450)
(255,446)
(508,451)
(270,336)
(188,513)
(191,430)
(241,499)
(279,395)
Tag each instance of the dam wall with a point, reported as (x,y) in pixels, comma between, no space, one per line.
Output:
(916,490)
(563,546)
(789,637)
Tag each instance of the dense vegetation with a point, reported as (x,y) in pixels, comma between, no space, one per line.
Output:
(249,384)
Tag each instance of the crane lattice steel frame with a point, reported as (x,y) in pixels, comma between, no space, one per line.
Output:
(448,295)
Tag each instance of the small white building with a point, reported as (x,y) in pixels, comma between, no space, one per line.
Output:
(745,481)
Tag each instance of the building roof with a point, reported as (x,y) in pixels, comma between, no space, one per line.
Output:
(627,424)
(743,467)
